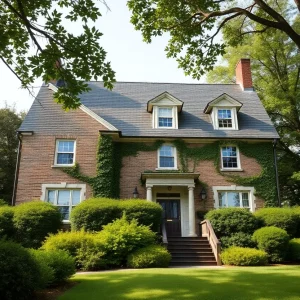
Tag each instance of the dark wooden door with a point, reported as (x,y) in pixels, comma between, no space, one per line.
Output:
(171,215)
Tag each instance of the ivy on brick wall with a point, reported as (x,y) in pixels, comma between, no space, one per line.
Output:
(106,183)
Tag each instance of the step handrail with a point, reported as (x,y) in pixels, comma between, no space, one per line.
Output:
(164,233)
(208,231)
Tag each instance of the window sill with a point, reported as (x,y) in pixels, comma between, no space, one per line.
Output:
(171,169)
(66,222)
(232,170)
(62,166)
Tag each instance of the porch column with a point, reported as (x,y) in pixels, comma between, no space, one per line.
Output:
(149,192)
(192,231)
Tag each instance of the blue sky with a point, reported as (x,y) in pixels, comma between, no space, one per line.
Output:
(131,58)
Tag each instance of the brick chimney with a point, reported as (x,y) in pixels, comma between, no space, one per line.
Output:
(243,74)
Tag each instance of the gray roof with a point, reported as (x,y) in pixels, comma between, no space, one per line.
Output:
(126,108)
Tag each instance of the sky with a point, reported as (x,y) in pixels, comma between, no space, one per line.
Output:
(131,58)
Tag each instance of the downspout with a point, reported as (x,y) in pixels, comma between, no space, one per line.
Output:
(13,201)
(276,171)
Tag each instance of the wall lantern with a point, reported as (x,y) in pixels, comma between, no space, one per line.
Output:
(135,193)
(203,194)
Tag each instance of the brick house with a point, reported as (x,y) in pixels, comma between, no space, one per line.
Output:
(190,147)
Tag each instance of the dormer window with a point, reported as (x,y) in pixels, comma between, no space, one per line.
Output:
(223,111)
(165,109)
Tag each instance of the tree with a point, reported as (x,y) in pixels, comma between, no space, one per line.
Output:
(276,77)
(10,121)
(193,26)
(58,54)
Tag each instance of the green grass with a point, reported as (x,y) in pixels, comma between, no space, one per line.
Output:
(252,283)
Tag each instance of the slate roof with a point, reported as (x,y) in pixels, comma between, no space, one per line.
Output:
(126,108)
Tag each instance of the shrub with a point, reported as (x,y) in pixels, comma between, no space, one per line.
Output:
(272,240)
(92,214)
(19,274)
(153,256)
(294,250)
(84,247)
(296,210)
(284,218)
(238,256)
(226,221)
(6,222)
(60,263)
(122,237)
(34,221)
(3,202)
(239,239)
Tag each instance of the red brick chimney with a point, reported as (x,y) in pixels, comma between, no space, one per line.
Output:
(243,74)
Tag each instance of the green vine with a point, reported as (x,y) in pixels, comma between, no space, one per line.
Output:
(106,183)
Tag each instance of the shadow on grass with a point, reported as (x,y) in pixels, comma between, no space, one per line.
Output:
(230,284)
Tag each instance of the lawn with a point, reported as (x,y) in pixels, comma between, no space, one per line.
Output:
(255,283)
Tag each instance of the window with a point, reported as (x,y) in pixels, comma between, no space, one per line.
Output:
(65,152)
(233,199)
(234,196)
(167,157)
(224,118)
(230,157)
(64,196)
(165,117)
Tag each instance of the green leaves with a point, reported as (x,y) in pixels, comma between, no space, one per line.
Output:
(40,23)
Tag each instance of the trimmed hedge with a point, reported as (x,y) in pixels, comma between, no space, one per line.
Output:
(122,237)
(239,239)
(33,221)
(7,228)
(227,221)
(239,256)
(93,214)
(294,250)
(20,273)
(153,256)
(60,264)
(272,240)
(85,248)
(284,218)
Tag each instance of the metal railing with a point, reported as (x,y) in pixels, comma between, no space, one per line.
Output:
(208,231)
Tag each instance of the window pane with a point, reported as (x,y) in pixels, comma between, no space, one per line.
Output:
(165,122)
(165,112)
(229,157)
(167,162)
(221,197)
(63,197)
(224,118)
(166,151)
(51,196)
(233,199)
(64,210)
(245,199)
(65,146)
(65,158)
(174,209)
(76,197)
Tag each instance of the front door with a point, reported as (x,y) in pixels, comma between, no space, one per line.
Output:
(171,216)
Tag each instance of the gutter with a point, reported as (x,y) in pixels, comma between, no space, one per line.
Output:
(13,201)
(276,172)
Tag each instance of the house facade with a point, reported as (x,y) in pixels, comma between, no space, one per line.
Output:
(189,147)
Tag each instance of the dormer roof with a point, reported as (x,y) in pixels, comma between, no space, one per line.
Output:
(165,99)
(223,100)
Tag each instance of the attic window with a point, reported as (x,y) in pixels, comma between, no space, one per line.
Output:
(225,118)
(165,117)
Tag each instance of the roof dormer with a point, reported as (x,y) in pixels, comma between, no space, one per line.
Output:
(165,109)
(223,111)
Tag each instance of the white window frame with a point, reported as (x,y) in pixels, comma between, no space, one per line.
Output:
(215,119)
(63,186)
(175,159)
(56,153)
(155,117)
(238,168)
(235,189)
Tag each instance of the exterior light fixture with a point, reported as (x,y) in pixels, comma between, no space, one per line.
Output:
(203,194)
(135,193)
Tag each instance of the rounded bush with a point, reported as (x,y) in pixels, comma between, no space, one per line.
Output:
(85,248)
(284,218)
(92,214)
(239,256)
(239,239)
(6,222)
(34,221)
(274,241)
(296,210)
(153,256)
(122,237)
(226,221)
(19,274)
(294,250)
(60,263)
